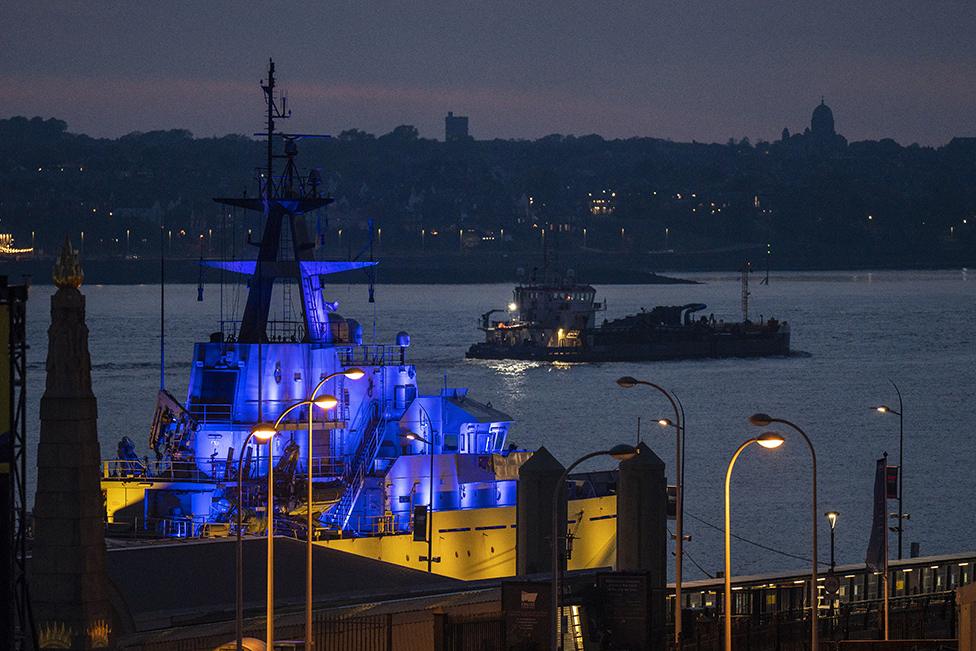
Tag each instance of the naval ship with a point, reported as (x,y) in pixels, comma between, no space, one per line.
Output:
(554,319)
(369,452)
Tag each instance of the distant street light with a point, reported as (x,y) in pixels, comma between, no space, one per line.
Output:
(620,452)
(832,519)
(768,440)
(884,409)
(628,382)
(763,420)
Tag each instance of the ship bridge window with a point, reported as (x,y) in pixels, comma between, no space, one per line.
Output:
(217,387)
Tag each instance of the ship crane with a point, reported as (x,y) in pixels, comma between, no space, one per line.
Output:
(486,318)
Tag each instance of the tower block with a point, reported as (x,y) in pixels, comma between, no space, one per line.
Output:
(68,579)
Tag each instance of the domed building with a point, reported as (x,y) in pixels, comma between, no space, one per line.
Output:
(822,121)
(820,135)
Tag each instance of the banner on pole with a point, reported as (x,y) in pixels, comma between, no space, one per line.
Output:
(891,482)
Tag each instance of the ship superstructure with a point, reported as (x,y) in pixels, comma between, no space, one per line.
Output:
(367,474)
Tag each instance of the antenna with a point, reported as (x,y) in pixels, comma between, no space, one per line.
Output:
(746,269)
(162,303)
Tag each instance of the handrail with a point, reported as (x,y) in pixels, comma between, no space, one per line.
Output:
(205,469)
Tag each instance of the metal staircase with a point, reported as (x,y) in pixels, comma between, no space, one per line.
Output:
(372,417)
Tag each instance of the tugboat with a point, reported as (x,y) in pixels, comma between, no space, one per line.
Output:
(555,320)
(362,454)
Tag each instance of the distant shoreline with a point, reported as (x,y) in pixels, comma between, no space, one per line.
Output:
(413,270)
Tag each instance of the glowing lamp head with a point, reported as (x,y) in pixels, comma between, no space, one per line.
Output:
(770,440)
(832,518)
(263,432)
(882,409)
(664,422)
(326,402)
(354,373)
(627,382)
(760,419)
(512,307)
(623,452)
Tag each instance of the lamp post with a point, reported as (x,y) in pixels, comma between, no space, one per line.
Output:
(768,440)
(762,420)
(628,382)
(619,452)
(351,374)
(832,520)
(263,429)
(884,409)
(263,434)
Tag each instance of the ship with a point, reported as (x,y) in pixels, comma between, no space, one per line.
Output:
(366,457)
(428,481)
(554,319)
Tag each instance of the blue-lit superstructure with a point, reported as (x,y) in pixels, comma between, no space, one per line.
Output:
(366,474)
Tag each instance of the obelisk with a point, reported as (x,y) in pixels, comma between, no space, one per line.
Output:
(68,580)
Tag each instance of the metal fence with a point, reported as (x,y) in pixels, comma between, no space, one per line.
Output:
(917,618)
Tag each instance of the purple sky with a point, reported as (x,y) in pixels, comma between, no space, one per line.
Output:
(682,70)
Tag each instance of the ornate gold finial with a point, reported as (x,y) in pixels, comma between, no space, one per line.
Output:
(67,269)
(55,635)
(98,634)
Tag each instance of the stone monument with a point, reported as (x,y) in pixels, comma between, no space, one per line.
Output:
(68,579)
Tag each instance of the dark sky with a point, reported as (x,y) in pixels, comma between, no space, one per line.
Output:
(682,70)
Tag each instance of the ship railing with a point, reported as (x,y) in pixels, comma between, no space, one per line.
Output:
(158,527)
(208,469)
(282,331)
(210,412)
(182,470)
(376,525)
(370,354)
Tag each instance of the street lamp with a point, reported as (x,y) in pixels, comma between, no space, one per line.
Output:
(430,498)
(767,440)
(763,420)
(620,452)
(265,432)
(832,519)
(884,409)
(350,374)
(678,423)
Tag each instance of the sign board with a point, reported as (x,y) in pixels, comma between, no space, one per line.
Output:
(420,524)
(831,584)
(527,613)
(626,611)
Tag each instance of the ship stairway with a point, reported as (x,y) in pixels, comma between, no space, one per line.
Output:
(373,416)
(315,316)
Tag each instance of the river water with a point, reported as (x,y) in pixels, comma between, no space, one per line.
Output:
(858,329)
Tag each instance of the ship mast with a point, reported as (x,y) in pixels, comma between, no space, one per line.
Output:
(284,200)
